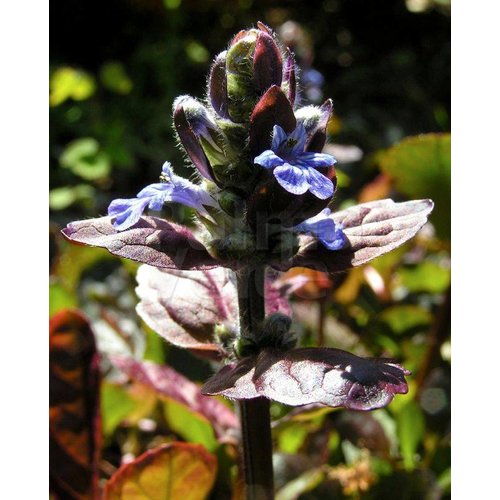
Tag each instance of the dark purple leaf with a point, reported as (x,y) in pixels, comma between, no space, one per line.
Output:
(372,229)
(267,62)
(167,382)
(272,109)
(233,381)
(191,143)
(152,241)
(217,86)
(74,416)
(312,375)
(184,307)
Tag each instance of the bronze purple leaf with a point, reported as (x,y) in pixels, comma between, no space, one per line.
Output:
(312,375)
(151,241)
(372,229)
(184,307)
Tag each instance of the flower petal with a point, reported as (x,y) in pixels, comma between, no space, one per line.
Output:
(298,136)
(127,211)
(268,159)
(279,137)
(323,227)
(320,185)
(291,178)
(316,160)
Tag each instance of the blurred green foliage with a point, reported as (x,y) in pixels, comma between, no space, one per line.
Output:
(115,70)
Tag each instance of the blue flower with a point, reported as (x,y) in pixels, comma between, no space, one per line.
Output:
(323,227)
(172,188)
(295,169)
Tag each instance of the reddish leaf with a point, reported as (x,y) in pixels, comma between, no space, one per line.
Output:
(217,86)
(74,417)
(267,62)
(272,109)
(169,383)
(184,307)
(312,375)
(372,229)
(172,471)
(152,241)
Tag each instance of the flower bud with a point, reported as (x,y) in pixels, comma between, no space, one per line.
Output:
(217,86)
(315,121)
(289,84)
(200,135)
(253,64)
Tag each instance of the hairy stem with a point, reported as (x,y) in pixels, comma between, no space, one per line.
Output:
(254,413)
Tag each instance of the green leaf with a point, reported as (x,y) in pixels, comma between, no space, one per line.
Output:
(403,318)
(197,52)
(411,428)
(60,298)
(302,484)
(116,405)
(291,438)
(421,168)
(66,83)
(85,159)
(114,78)
(426,277)
(169,472)
(63,197)
(189,425)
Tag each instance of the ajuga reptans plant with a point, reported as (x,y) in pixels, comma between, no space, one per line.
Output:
(261,199)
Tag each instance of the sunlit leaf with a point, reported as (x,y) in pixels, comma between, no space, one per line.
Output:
(170,472)
(312,375)
(63,197)
(60,298)
(189,425)
(74,416)
(291,438)
(115,78)
(85,159)
(152,240)
(66,83)
(307,481)
(411,428)
(116,404)
(372,229)
(421,168)
(404,317)
(425,277)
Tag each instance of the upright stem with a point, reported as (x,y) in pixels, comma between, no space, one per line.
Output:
(254,413)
